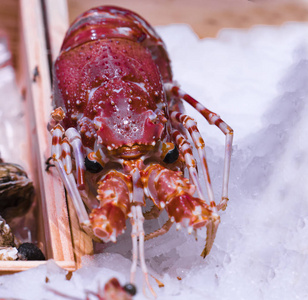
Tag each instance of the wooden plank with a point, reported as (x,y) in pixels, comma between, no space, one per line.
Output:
(9,267)
(38,98)
(58,23)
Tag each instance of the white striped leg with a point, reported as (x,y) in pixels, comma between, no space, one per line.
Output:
(61,155)
(137,220)
(213,119)
(191,126)
(75,141)
(186,150)
(212,224)
(134,236)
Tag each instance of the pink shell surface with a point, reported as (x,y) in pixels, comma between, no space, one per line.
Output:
(109,78)
(117,84)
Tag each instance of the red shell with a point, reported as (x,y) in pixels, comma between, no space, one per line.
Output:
(109,78)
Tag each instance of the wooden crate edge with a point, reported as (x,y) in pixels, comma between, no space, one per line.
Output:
(55,215)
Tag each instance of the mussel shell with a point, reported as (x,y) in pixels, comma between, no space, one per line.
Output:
(16,191)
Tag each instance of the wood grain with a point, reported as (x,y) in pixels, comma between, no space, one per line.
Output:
(54,234)
(206,17)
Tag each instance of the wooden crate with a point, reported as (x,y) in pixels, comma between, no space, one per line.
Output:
(57,23)
(40,33)
(27,38)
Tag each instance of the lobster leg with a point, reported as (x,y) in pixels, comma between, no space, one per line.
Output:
(164,229)
(138,232)
(212,118)
(213,220)
(75,141)
(186,150)
(137,220)
(153,213)
(191,126)
(61,155)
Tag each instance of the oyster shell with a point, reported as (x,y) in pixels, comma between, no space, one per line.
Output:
(16,191)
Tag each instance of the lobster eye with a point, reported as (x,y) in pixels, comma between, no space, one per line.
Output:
(92,165)
(171,156)
(130,289)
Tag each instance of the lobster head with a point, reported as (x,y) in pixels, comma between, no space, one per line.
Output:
(127,118)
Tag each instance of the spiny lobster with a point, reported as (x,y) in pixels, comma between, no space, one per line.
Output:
(119,132)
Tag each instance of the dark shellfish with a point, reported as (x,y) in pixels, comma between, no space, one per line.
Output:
(16,191)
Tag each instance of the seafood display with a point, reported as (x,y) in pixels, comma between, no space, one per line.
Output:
(120,134)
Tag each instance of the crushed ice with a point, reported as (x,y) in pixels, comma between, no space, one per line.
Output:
(256,80)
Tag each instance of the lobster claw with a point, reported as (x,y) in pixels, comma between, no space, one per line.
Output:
(108,220)
(188,211)
(193,213)
(170,190)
